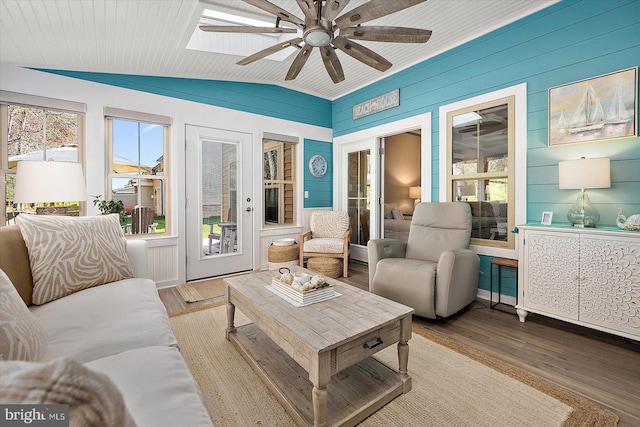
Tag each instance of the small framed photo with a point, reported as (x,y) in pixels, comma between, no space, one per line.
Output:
(546,218)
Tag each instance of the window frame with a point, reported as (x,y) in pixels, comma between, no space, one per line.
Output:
(8,98)
(280,183)
(111,114)
(509,174)
(519,187)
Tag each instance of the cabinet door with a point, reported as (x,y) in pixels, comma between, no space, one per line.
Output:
(551,278)
(610,282)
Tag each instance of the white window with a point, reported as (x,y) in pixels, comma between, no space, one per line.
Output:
(278,181)
(37,129)
(137,173)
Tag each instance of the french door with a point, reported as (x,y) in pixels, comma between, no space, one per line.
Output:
(219,212)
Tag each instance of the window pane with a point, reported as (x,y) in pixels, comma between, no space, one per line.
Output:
(62,131)
(359,197)
(137,147)
(480,141)
(489,206)
(271,205)
(143,204)
(279,182)
(271,164)
(26,132)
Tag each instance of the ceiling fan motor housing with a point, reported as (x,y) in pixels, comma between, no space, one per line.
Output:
(317,34)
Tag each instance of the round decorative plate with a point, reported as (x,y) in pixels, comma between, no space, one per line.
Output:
(318,166)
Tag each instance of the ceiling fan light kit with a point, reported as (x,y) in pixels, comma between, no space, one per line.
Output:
(319,30)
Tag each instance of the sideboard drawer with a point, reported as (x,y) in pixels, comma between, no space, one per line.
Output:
(360,348)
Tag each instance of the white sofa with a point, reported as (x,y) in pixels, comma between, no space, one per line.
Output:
(120,329)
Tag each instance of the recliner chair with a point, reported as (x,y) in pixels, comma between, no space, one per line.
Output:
(434,272)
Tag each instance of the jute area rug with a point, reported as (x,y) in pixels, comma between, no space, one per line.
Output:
(453,385)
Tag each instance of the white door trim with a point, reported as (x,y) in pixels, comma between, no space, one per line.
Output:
(368,138)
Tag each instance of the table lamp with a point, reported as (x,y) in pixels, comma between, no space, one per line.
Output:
(579,175)
(415,193)
(41,182)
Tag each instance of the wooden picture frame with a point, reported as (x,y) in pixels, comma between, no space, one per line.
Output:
(595,109)
(546,218)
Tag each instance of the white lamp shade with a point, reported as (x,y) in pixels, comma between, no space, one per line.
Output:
(584,173)
(41,182)
(415,192)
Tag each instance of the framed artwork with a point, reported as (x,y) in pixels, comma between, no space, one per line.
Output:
(594,109)
(546,218)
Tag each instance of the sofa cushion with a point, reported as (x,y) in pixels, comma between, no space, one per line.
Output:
(22,337)
(105,320)
(14,260)
(324,245)
(157,387)
(92,397)
(68,254)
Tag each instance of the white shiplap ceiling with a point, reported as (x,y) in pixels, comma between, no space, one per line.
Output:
(149,37)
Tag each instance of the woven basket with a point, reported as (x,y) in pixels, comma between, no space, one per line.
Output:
(283,253)
(330,267)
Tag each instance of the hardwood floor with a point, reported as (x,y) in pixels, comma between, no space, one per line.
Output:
(602,367)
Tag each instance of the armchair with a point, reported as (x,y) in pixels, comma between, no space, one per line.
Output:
(433,272)
(329,236)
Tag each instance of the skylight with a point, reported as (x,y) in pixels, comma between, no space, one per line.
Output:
(239,44)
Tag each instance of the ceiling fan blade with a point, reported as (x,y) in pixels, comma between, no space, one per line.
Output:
(275,10)
(299,62)
(332,8)
(372,10)
(240,29)
(268,51)
(332,64)
(387,34)
(308,8)
(362,53)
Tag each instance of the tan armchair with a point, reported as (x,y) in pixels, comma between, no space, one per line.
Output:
(434,272)
(329,236)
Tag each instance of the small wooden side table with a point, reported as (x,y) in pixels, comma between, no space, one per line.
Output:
(501,262)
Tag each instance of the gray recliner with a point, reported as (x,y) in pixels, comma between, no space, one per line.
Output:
(434,272)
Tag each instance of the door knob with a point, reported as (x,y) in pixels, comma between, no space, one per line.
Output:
(249,209)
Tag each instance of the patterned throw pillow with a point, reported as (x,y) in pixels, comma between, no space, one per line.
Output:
(68,254)
(22,337)
(93,398)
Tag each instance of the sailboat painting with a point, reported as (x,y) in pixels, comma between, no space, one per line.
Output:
(599,108)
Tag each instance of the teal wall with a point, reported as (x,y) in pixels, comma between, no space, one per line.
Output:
(320,189)
(266,100)
(566,42)
(569,41)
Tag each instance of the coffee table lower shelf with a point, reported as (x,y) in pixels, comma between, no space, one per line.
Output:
(353,394)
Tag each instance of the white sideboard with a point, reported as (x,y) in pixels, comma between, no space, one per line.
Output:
(590,277)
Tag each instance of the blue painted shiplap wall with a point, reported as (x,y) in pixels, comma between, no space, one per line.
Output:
(569,41)
(566,42)
(320,189)
(266,100)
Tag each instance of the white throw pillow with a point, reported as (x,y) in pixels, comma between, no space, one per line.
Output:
(22,337)
(396,214)
(92,397)
(68,254)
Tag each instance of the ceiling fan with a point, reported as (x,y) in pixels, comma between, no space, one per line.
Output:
(319,30)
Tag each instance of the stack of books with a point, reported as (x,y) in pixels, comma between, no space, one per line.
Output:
(304,297)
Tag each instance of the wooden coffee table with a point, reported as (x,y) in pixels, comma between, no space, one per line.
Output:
(330,343)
